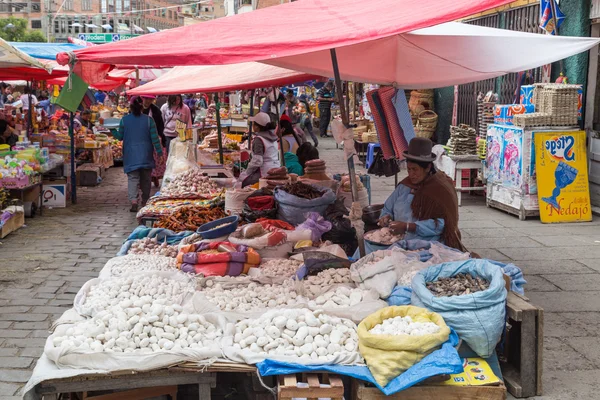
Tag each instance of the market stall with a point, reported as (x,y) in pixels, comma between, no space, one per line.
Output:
(317,314)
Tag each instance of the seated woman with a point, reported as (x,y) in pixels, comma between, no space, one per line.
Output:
(424,205)
(290,140)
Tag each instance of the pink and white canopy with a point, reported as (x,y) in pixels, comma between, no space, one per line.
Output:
(220,78)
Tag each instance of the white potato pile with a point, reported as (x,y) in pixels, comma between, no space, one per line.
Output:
(341,297)
(152,246)
(134,291)
(143,325)
(404,326)
(252,296)
(191,181)
(297,333)
(329,276)
(279,267)
(135,263)
(405,278)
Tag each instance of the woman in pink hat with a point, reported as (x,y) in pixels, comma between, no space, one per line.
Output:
(151,110)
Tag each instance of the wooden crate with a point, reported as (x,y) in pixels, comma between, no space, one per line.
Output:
(426,392)
(287,387)
(524,346)
(14,223)
(135,394)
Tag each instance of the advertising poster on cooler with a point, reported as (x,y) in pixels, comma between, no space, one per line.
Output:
(495,134)
(511,171)
(562,177)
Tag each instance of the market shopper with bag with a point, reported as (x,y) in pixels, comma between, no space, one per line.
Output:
(150,109)
(424,205)
(140,139)
(265,152)
(172,111)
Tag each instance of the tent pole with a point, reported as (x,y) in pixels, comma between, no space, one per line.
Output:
(219,138)
(73,175)
(252,115)
(29,111)
(346,122)
(278,127)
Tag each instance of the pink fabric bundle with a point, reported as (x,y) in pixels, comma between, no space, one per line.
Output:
(380,124)
(386,95)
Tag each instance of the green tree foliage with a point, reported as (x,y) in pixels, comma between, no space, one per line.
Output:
(15,30)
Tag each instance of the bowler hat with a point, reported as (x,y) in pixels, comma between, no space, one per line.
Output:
(419,149)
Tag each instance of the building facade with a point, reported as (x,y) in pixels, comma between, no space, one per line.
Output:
(60,19)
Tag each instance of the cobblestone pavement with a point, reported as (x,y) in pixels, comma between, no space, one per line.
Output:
(44,264)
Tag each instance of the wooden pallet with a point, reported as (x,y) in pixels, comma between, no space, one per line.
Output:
(319,386)
(425,392)
(524,347)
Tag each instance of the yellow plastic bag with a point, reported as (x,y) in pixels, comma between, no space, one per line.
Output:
(387,356)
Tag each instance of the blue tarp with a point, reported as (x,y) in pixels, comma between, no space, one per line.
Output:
(443,361)
(160,233)
(45,51)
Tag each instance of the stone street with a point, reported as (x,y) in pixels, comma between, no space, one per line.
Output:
(44,264)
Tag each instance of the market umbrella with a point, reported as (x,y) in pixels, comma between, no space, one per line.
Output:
(11,57)
(221,78)
(265,34)
(448,54)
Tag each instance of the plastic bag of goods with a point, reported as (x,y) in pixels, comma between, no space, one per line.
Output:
(295,200)
(472,302)
(393,339)
(260,204)
(342,232)
(234,200)
(377,271)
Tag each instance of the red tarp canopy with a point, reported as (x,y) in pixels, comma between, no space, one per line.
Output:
(38,74)
(221,78)
(285,30)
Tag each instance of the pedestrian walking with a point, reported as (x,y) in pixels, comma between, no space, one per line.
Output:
(172,111)
(140,139)
(325,96)
(160,161)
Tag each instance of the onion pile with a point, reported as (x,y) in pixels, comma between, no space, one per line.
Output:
(190,182)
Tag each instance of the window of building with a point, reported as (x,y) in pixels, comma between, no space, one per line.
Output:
(36,24)
(86,5)
(68,6)
(170,14)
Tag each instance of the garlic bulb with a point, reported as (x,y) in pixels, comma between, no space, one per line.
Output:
(156,326)
(152,246)
(297,333)
(404,326)
(135,291)
(252,296)
(135,263)
(190,182)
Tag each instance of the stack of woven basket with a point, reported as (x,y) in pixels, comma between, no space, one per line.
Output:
(423,117)
(556,104)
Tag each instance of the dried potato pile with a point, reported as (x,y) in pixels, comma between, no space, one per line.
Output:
(404,326)
(457,285)
(279,267)
(298,332)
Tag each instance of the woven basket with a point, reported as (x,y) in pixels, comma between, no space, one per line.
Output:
(424,132)
(428,119)
(420,100)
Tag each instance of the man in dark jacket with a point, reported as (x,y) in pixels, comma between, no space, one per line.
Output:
(152,110)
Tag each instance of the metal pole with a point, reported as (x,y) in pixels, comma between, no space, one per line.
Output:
(346,122)
(553,8)
(277,126)
(219,138)
(73,175)
(251,114)
(29,111)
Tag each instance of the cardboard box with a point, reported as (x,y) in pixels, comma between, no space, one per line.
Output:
(526,94)
(504,113)
(89,174)
(56,193)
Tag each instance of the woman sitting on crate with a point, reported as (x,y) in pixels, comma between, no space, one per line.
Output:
(424,205)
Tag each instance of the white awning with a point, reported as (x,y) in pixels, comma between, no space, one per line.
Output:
(76,25)
(107,27)
(151,29)
(92,25)
(137,28)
